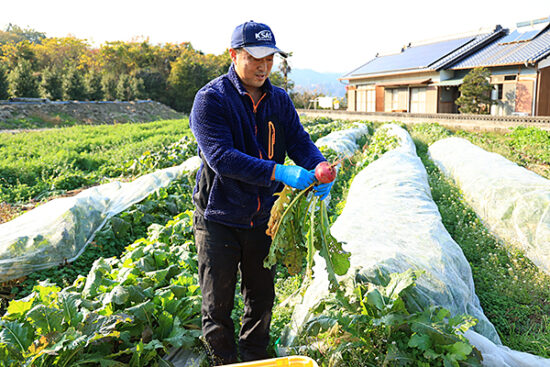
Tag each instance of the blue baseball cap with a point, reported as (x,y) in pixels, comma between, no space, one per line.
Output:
(256,38)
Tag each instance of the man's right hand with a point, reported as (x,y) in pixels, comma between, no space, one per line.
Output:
(294,176)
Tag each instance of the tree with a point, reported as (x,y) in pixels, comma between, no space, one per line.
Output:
(73,85)
(51,84)
(62,53)
(108,85)
(475,92)
(4,94)
(22,81)
(277,79)
(28,34)
(285,69)
(154,85)
(128,88)
(12,53)
(137,87)
(190,72)
(92,82)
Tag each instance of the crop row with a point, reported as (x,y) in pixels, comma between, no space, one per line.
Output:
(37,165)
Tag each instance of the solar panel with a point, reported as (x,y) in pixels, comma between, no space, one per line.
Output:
(415,57)
(516,36)
(512,37)
(502,53)
(527,36)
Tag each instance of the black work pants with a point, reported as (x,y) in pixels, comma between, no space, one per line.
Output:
(222,252)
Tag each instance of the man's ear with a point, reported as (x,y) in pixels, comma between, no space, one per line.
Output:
(233,54)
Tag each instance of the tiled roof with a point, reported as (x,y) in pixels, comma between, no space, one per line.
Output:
(477,43)
(513,49)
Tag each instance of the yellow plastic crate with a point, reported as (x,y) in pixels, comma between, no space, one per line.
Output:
(292,361)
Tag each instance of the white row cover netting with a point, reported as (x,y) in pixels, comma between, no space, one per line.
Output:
(513,202)
(59,231)
(390,224)
(344,142)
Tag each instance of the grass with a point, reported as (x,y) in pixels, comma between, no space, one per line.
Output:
(40,164)
(513,292)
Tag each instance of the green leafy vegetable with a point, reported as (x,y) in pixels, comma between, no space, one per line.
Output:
(299,226)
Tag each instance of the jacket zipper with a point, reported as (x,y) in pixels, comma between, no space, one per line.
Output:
(255,109)
(255,105)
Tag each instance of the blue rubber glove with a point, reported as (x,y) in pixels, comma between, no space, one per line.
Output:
(294,176)
(323,190)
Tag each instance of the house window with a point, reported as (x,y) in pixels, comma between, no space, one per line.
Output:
(394,99)
(418,100)
(509,77)
(496,93)
(371,100)
(361,100)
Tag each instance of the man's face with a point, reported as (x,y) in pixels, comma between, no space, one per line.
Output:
(253,72)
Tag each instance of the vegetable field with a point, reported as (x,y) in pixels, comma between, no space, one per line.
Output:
(40,165)
(132,297)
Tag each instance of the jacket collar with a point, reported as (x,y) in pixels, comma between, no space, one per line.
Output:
(236,81)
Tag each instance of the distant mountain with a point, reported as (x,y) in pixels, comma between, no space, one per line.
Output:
(327,83)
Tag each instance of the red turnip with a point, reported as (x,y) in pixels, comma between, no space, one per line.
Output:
(325,172)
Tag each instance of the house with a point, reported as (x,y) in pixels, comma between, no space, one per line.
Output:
(425,77)
(520,72)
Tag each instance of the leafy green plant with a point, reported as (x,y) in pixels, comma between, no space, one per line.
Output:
(127,311)
(531,141)
(370,324)
(124,228)
(299,227)
(168,156)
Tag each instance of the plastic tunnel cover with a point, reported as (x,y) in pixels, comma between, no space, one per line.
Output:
(60,230)
(391,223)
(344,142)
(513,202)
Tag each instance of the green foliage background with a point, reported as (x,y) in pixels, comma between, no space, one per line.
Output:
(69,68)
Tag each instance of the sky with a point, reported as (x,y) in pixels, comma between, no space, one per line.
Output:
(334,36)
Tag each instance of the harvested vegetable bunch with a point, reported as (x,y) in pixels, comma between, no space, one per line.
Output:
(299,226)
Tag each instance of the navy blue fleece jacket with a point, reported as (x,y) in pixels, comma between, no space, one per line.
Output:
(239,144)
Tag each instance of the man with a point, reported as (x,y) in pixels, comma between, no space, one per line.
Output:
(244,128)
